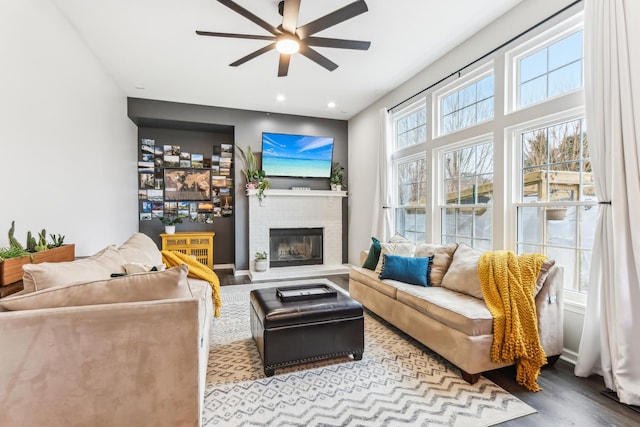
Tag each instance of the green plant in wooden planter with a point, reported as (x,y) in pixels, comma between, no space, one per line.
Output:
(56,240)
(37,250)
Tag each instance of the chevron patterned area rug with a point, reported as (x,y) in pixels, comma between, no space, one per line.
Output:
(398,382)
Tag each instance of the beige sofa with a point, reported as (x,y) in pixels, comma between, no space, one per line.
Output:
(125,351)
(450,317)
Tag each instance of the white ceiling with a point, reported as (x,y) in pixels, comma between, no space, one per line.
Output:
(151,50)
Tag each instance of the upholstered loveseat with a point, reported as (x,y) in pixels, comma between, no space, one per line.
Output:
(80,348)
(450,315)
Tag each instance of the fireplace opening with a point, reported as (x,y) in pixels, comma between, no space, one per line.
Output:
(295,246)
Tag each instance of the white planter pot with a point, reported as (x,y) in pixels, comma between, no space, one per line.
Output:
(262,265)
(336,187)
(169,229)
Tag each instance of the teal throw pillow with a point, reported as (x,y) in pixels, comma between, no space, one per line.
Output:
(406,269)
(374,254)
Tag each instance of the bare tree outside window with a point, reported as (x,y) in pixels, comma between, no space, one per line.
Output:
(468,192)
(470,105)
(411,199)
(556,215)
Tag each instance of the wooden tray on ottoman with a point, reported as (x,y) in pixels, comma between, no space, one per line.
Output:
(305,292)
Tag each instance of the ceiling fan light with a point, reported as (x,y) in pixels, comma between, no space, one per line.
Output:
(287,45)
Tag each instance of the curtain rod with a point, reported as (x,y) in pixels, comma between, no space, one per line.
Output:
(487,54)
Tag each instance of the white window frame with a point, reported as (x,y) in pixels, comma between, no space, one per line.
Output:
(440,169)
(512,60)
(514,137)
(474,76)
(395,183)
(403,113)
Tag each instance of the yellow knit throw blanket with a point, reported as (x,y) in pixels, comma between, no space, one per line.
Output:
(508,283)
(197,270)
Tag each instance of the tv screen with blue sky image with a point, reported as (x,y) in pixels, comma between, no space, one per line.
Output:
(299,156)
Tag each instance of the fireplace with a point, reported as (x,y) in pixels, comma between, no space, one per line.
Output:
(295,246)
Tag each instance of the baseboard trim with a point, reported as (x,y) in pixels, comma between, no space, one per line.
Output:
(224,266)
(569,356)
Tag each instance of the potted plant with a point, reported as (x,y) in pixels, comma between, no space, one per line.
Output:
(261,261)
(263,184)
(337,175)
(250,171)
(35,251)
(256,178)
(170,222)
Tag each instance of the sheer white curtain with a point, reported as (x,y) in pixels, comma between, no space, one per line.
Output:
(610,343)
(382,226)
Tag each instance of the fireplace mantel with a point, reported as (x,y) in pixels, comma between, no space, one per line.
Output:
(299,193)
(297,209)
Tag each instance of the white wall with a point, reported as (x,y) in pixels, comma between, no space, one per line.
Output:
(364,128)
(67,148)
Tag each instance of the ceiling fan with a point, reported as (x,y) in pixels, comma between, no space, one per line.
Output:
(288,38)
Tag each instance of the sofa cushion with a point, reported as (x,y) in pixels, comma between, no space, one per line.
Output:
(402,249)
(462,275)
(136,267)
(465,313)
(373,256)
(53,274)
(406,269)
(442,257)
(372,279)
(168,284)
(141,249)
(399,238)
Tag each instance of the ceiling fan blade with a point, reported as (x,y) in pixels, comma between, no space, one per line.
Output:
(253,55)
(349,11)
(317,58)
(290,15)
(236,36)
(283,65)
(250,16)
(337,43)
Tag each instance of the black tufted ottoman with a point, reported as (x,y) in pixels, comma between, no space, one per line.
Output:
(302,330)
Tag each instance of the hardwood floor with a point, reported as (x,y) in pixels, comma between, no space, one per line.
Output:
(566,400)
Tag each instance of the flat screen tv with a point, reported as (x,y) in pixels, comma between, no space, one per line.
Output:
(298,156)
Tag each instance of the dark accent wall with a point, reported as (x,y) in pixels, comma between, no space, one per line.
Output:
(245,127)
(194,141)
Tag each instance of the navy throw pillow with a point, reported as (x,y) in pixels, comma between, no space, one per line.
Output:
(406,269)
(374,254)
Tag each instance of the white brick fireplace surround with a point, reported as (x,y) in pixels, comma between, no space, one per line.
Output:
(297,209)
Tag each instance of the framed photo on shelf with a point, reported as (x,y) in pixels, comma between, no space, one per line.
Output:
(187,184)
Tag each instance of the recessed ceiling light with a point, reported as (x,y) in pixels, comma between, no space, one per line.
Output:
(331,104)
(280,98)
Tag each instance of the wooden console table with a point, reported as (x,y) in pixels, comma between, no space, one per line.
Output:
(195,243)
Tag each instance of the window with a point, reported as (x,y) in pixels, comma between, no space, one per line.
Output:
(557,211)
(550,71)
(410,211)
(410,171)
(546,66)
(411,128)
(467,181)
(511,177)
(467,105)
